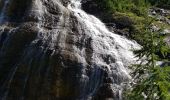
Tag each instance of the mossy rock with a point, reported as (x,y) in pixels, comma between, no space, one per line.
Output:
(122,21)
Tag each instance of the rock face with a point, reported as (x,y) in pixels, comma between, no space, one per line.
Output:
(160,14)
(52,50)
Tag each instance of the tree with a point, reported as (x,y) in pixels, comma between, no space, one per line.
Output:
(151,81)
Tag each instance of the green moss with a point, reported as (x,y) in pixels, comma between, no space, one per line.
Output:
(136,19)
(161,25)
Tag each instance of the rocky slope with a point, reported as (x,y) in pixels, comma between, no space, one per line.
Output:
(52,50)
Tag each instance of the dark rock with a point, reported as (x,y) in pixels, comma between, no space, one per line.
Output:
(105,92)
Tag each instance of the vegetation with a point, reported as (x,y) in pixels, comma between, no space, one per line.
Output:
(151,82)
(161,3)
(136,6)
(135,11)
(128,15)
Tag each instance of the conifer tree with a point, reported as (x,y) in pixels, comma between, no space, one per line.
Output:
(151,81)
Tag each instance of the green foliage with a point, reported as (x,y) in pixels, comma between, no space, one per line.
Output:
(152,82)
(155,86)
(129,14)
(160,2)
(138,7)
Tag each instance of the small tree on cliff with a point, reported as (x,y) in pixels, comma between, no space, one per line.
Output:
(151,81)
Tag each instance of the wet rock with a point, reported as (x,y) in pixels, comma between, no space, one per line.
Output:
(105,92)
(52,50)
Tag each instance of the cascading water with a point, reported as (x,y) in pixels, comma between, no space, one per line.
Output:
(118,48)
(59,52)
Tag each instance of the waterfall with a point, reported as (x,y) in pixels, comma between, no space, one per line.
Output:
(105,42)
(119,46)
(62,53)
